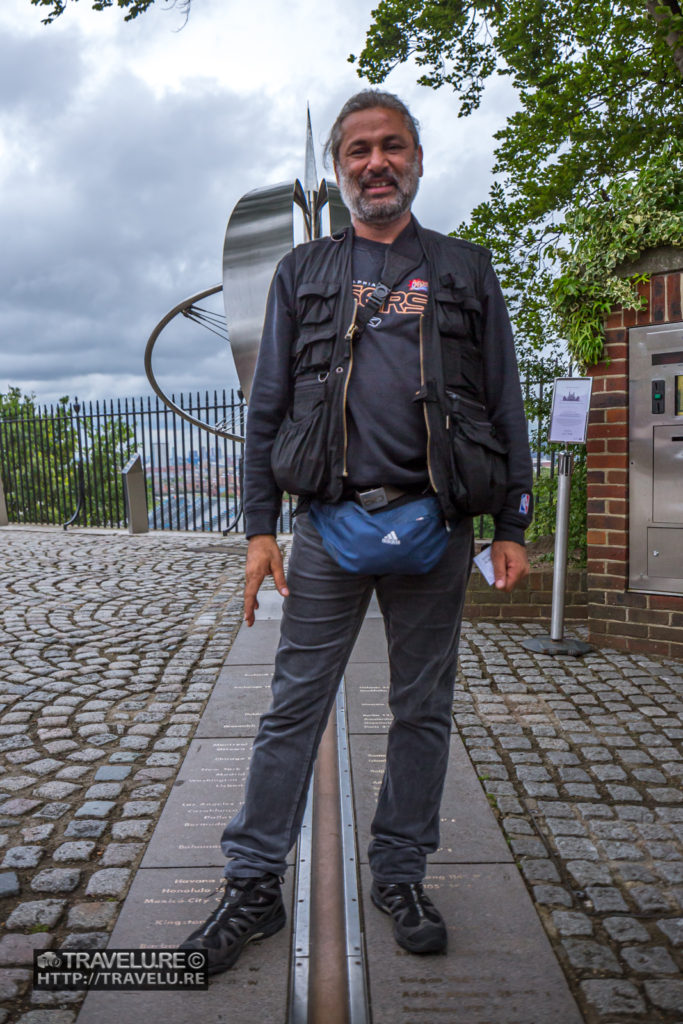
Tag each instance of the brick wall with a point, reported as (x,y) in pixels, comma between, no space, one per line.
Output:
(529,602)
(619,618)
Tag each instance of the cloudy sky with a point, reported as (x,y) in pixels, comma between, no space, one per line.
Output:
(125,146)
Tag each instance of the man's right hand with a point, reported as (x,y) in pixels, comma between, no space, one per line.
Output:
(263,559)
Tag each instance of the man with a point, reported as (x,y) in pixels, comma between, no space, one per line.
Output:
(346,416)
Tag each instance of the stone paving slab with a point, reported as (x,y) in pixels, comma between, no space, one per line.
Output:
(371,645)
(239,698)
(255,646)
(270,606)
(469,831)
(258,648)
(367,687)
(498,969)
(206,794)
(163,907)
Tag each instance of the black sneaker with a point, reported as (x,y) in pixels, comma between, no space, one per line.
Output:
(418,925)
(251,908)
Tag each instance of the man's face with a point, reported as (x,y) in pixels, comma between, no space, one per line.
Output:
(379,165)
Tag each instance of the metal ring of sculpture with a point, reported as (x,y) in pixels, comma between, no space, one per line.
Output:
(213,322)
(259,233)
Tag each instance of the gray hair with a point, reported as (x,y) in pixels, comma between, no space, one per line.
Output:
(366,100)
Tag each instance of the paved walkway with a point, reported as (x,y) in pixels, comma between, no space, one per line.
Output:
(582,759)
(110,649)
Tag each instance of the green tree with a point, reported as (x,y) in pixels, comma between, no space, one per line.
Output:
(639,212)
(600,95)
(132,7)
(36,459)
(107,445)
(599,83)
(39,457)
(585,168)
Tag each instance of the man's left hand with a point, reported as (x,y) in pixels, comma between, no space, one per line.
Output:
(510,563)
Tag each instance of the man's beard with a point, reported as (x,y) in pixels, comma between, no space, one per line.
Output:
(380,210)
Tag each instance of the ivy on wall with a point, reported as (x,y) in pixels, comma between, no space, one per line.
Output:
(640,211)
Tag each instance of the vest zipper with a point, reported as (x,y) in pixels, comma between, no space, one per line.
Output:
(424,409)
(349,337)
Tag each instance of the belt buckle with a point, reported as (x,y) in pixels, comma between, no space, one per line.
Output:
(373,499)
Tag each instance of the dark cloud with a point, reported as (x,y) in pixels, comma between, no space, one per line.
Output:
(117,212)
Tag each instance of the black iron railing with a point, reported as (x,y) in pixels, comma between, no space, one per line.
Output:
(56,461)
(62,464)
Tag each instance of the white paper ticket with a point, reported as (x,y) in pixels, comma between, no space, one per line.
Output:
(485,566)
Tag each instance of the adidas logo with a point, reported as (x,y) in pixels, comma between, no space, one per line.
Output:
(390,538)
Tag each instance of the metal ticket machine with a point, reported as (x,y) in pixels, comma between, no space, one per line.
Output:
(656,459)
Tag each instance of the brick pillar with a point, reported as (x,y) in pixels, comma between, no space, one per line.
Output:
(628,620)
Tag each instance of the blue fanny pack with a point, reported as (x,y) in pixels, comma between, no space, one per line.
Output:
(407,539)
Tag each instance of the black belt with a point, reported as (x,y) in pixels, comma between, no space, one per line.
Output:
(374,498)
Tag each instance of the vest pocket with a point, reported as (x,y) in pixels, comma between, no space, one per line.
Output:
(299,455)
(315,301)
(450,315)
(479,459)
(307,394)
(457,317)
(313,349)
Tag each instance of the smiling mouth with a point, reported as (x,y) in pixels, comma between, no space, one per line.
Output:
(378,186)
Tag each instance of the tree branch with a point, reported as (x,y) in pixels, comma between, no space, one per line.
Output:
(673,38)
(132,7)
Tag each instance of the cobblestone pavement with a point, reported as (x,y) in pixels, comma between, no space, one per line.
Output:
(582,759)
(109,648)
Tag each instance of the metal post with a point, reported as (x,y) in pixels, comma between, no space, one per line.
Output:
(4,518)
(135,492)
(555,643)
(564,483)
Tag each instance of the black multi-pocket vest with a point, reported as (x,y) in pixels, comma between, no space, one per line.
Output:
(309,452)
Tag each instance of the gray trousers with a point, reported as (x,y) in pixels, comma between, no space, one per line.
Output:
(320,623)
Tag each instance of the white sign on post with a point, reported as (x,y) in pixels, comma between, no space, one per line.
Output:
(569,414)
(568,425)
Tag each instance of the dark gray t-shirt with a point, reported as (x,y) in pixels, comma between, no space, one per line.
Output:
(387,439)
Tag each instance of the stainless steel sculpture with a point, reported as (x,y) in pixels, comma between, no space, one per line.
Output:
(259,233)
(190,309)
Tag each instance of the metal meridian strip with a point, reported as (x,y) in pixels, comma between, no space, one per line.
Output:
(301,920)
(359,1008)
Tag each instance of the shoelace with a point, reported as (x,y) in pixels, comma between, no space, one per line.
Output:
(405,896)
(417,900)
(238,919)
